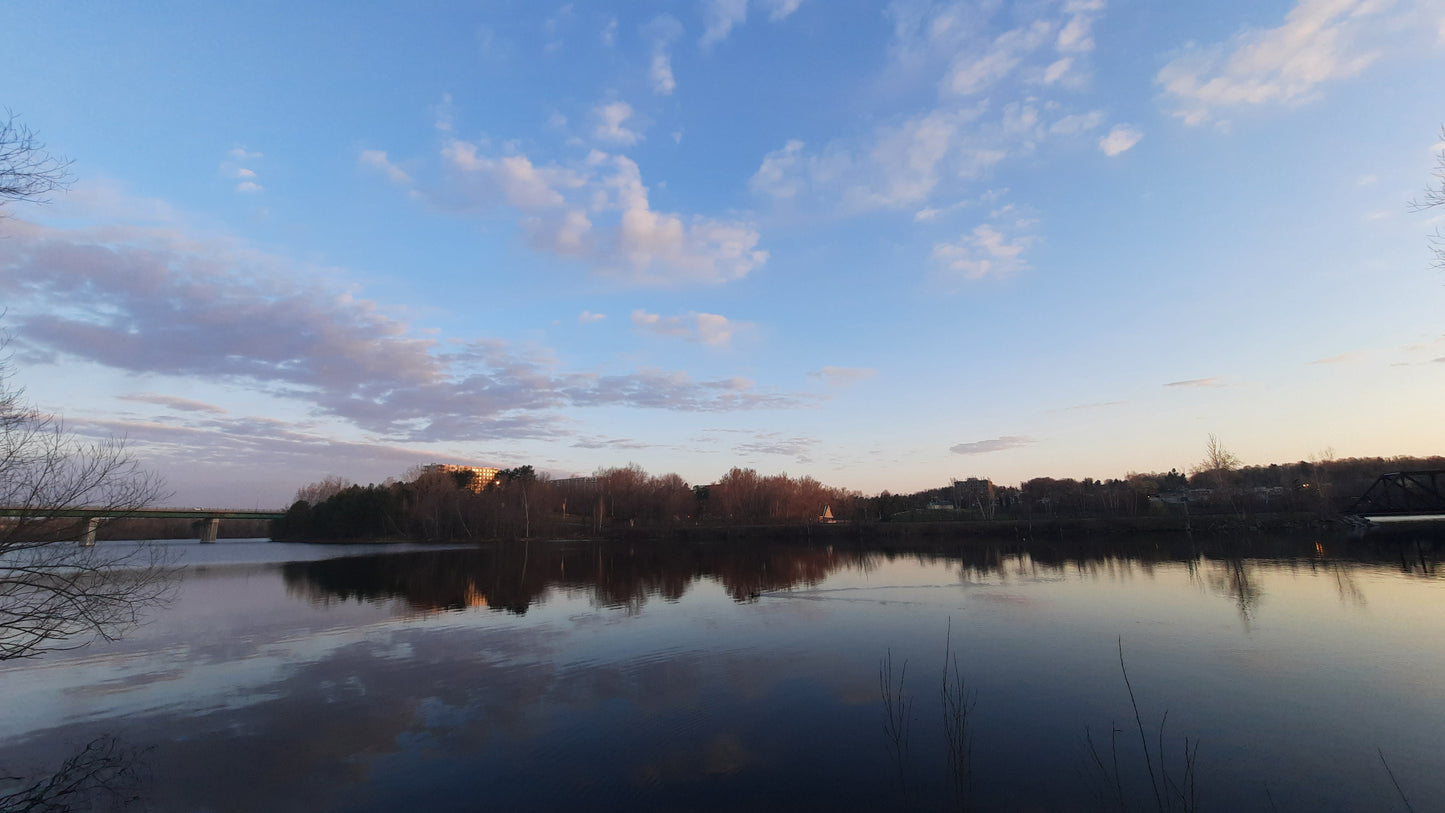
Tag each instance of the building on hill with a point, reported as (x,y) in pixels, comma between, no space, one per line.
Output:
(482,476)
(584,484)
(976,494)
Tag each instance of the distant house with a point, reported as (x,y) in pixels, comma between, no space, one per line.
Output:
(827,515)
(1181,496)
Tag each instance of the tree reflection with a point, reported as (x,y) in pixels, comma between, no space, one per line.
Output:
(512,577)
(1235,578)
(101,776)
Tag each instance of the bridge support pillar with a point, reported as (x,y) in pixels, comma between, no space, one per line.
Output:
(88,539)
(209,528)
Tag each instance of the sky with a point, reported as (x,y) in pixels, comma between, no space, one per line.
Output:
(882,244)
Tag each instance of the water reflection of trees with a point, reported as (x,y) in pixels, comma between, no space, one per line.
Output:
(103,775)
(514,576)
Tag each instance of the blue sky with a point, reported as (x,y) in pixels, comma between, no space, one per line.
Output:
(882,244)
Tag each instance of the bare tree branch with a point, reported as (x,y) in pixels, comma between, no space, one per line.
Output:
(27,171)
(56,593)
(1433,198)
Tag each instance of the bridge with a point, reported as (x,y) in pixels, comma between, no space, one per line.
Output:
(94,516)
(1403,496)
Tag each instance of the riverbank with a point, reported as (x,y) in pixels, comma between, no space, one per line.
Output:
(1044,529)
(1019,530)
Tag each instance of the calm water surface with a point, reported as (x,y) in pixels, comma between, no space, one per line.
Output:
(617,677)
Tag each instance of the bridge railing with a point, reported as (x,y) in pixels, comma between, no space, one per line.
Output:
(209,518)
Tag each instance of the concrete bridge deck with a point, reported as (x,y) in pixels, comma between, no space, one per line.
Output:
(93,516)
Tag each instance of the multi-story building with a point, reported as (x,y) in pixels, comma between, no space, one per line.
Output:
(482,476)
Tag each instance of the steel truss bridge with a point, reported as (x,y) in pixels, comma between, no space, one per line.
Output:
(1403,494)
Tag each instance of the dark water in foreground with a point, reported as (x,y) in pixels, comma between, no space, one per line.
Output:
(617,677)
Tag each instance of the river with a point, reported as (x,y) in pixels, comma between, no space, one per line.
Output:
(585,676)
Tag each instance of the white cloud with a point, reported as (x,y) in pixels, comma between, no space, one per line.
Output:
(658,247)
(797,446)
(909,157)
(569,235)
(660,73)
(377,159)
(514,177)
(587,317)
(1320,41)
(997,444)
(663,31)
(232,167)
(843,376)
(609,33)
(991,103)
(445,114)
(778,10)
(984,252)
(170,302)
(1057,70)
(903,165)
(524,185)
(929,214)
(714,329)
(174,402)
(719,17)
(1119,140)
(610,124)
(706,328)
(1077,123)
(1077,34)
(599,211)
(972,73)
(776,176)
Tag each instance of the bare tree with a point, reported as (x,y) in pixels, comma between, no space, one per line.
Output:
(27,171)
(54,592)
(322,490)
(1216,471)
(1218,461)
(1434,198)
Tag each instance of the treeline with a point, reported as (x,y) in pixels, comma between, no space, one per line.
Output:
(1323,486)
(519,503)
